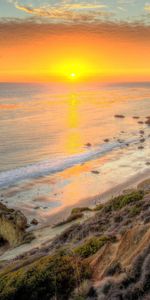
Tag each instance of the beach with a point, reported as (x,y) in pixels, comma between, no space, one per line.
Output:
(95,150)
(110,242)
(46,233)
(75,189)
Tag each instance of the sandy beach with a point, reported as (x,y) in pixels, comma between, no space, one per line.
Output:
(45,234)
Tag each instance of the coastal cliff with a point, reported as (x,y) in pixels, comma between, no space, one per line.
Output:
(105,258)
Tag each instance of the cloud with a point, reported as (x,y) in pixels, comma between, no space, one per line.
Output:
(66,10)
(15,30)
(84,11)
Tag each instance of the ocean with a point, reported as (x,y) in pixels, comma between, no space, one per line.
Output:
(61,142)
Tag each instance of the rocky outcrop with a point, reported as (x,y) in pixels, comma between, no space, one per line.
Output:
(12,226)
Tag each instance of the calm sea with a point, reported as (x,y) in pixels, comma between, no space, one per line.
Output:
(48,128)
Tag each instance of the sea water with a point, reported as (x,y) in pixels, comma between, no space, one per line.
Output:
(54,136)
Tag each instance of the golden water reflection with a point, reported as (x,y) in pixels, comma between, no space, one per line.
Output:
(73,136)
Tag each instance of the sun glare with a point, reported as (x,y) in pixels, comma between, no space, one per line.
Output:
(72,71)
(73,75)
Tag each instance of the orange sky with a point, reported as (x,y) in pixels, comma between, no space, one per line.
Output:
(42,52)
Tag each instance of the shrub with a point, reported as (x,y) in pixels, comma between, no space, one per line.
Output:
(135,210)
(56,275)
(98,207)
(77,210)
(91,246)
(123,200)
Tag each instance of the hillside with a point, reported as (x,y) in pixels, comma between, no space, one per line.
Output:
(106,257)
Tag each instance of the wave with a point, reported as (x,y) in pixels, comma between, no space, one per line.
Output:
(47,167)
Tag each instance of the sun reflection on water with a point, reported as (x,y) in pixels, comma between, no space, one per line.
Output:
(73,138)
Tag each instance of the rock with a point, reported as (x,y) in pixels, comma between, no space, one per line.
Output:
(95,172)
(120,141)
(21,220)
(34,222)
(106,140)
(136,117)
(140,122)
(36,207)
(147,163)
(142,140)
(140,147)
(12,225)
(88,144)
(119,116)
(141,131)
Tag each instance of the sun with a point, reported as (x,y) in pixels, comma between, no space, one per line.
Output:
(73,75)
(72,71)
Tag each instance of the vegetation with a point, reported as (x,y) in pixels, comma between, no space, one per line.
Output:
(135,210)
(55,275)
(71,218)
(136,283)
(98,207)
(123,200)
(77,210)
(62,276)
(91,246)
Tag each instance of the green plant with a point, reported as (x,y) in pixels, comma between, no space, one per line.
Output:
(91,246)
(98,207)
(123,200)
(135,210)
(77,210)
(55,275)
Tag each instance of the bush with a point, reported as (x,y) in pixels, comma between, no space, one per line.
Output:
(134,211)
(77,210)
(98,207)
(123,200)
(91,246)
(56,275)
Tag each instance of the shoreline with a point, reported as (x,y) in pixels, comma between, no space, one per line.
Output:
(46,233)
(99,198)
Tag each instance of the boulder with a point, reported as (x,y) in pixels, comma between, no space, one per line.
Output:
(12,225)
(34,222)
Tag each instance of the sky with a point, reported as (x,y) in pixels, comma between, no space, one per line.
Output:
(74,40)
